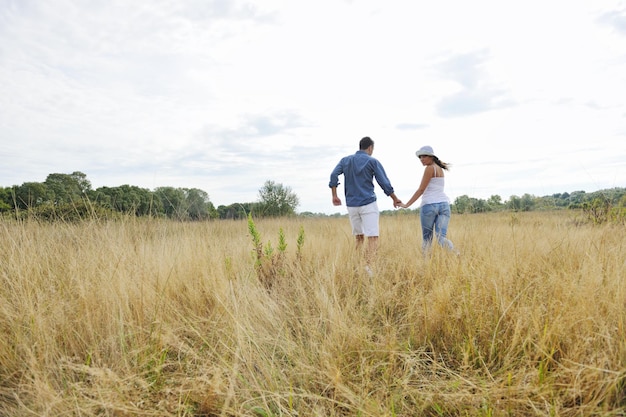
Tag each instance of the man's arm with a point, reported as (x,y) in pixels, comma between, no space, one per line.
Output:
(396,200)
(385,184)
(336,199)
(334,182)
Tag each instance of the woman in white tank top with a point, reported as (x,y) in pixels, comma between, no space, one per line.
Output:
(435,205)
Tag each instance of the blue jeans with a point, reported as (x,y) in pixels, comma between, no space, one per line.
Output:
(435,218)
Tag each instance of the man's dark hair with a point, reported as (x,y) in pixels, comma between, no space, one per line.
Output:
(365,143)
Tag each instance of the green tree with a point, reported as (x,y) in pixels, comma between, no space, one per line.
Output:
(479,205)
(514,203)
(235,211)
(127,199)
(277,200)
(576,198)
(67,188)
(198,205)
(30,194)
(173,202)
(462,204)
(6,199)
(527,202)
(495,202)
(185,203)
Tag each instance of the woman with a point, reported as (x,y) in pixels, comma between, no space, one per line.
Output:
(435,206)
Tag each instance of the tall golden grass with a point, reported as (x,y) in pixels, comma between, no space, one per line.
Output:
(159,318)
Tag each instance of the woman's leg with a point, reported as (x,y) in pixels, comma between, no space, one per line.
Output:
(428,215)
(441,225)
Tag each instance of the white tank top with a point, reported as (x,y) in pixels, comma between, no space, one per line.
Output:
(434,192)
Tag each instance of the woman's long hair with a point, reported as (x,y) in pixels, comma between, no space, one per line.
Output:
(443,165)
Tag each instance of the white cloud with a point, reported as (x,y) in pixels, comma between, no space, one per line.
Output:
(224,95)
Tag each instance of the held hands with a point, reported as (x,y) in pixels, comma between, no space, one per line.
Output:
(400,204)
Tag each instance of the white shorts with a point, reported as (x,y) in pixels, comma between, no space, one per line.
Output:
(364,219)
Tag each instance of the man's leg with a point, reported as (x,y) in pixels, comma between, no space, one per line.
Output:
(359,241)
(372,248)
(370,216)
(356,222)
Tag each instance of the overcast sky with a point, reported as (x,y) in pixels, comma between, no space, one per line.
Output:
(520,97)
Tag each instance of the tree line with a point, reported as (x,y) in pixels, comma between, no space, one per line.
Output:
(607,200)
(71,195)
(528,202)
(598,206)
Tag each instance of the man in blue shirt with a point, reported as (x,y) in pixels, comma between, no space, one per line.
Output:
(358,171)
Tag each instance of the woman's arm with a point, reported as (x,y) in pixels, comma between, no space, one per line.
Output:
(429,171)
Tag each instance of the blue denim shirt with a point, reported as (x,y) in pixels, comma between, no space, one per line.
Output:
(358,171)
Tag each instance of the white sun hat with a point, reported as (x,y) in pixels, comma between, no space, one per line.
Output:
(425,150)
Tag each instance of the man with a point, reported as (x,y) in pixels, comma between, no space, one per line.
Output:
(358,171)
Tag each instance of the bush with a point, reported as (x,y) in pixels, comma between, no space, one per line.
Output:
(69,212)
(600,211)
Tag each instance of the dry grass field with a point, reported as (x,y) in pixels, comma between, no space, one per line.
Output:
(159,318)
